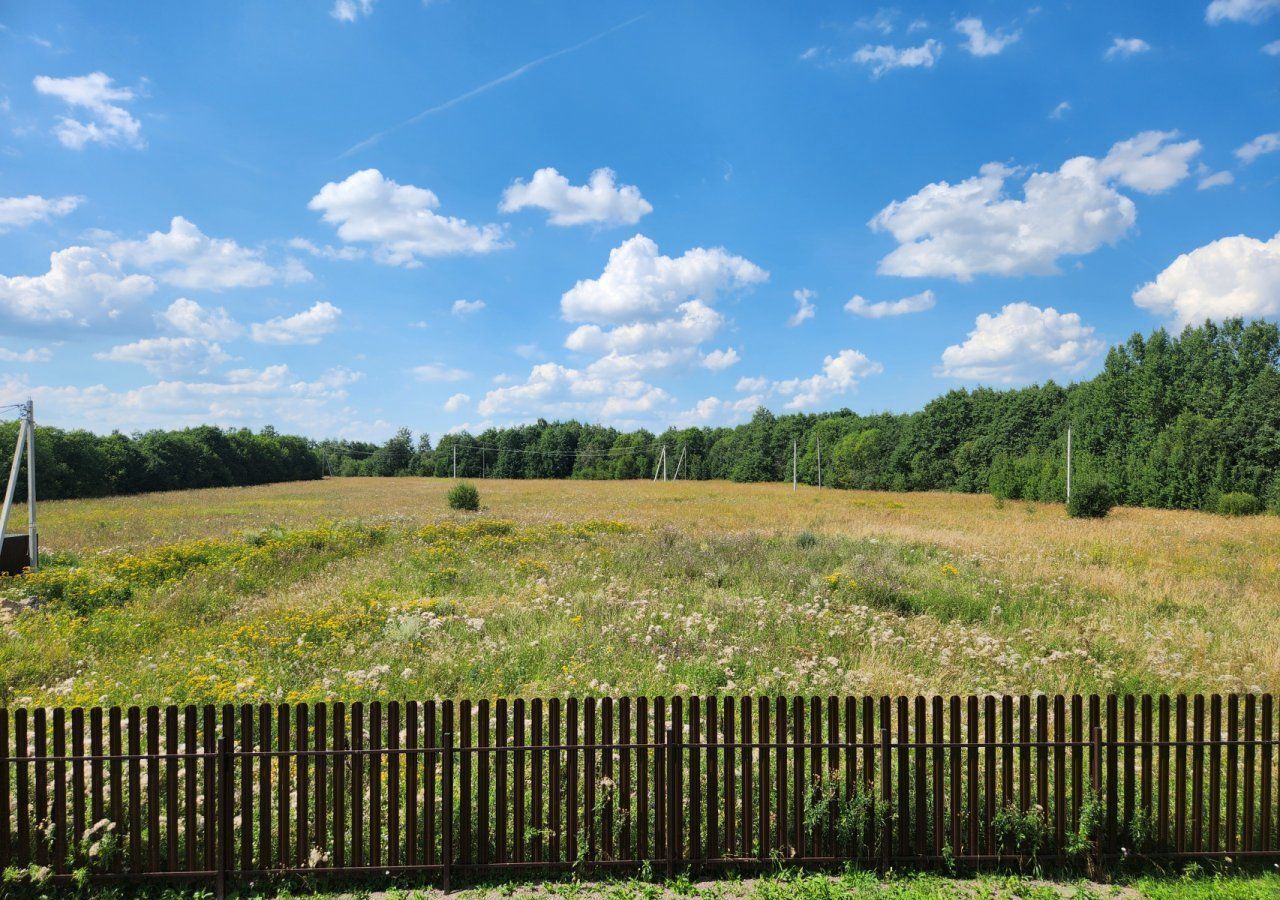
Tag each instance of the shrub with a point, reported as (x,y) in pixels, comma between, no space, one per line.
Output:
(1239,503)
(1090,500)
(463,495)
(806,539)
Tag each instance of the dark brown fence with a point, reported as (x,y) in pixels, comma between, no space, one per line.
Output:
(457,789)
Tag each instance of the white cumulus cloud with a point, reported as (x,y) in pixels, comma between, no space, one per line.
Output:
(805,309)
(186,257)
(193,320)
(97,98)
(456,402)
(399,221)
(981,42)
(693,323)
(1232,276)
(558,390)
(189,318)
(467,307)
(19,212)
(973,227)
(718,360)
(718,411)
(306,327)
(1151,162)
(1250,11)
(840,374)
(168,355)
(1214,179)
(83,288)
(1123,48)
(351,10)
(920,302)
(599,201)
(1259,146)
(884,58)
(32,355)
(638,282)
(327,251)
(244,397)
(1022,343)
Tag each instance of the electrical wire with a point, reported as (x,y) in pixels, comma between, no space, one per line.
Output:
(338,450)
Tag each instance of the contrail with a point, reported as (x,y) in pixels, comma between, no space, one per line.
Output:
(476,91)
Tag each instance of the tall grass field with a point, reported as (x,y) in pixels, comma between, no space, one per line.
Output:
(375,588)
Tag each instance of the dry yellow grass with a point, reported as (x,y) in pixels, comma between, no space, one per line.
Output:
(904,593)
(1145,554)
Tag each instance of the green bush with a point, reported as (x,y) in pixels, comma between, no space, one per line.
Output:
(806,539)
(1090,500)
(1239,503)
(463,495)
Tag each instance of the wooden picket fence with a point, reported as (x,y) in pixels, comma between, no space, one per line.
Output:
(457,789)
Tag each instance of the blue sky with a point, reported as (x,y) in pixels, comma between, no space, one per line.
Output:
(342,217)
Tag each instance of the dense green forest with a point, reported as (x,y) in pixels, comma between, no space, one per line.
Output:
(1170,421)
(84,464)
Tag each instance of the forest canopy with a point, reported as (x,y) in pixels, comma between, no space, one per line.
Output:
(1170,421)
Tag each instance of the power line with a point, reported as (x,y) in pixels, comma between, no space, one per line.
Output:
(486,448)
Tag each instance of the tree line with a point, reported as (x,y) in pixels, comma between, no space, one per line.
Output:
(1170,421)
(83,464)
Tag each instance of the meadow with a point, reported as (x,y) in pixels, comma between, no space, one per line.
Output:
(373,588)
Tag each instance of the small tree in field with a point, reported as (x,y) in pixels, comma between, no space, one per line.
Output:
(1090,500)
(463,495)
(1239,503)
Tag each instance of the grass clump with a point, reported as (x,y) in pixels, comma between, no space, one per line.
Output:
(1090,500)
(464,496)
(1238,503)
(806,539)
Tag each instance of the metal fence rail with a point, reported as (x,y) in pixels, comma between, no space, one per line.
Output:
(464,787)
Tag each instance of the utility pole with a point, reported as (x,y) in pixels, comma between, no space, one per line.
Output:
(679,463)
(1068,463)
(455,462)
(33,539)
(795,461)
(664,462)
(26,440)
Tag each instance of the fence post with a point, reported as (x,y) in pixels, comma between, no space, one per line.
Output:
(446,807)
(1095,783)
(226,788)
(886,795)
(673,798)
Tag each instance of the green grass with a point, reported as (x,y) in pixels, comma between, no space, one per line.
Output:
(787,885)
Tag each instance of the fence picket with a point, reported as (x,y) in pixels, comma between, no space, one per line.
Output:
(393,784)
(537,850)
(264,786)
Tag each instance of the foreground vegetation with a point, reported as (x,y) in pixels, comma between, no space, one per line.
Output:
(1192,884)
(372,588)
